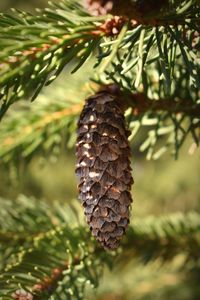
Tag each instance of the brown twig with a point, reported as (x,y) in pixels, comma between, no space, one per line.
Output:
(50,283)
(47,285)
(140,103)
(110,27)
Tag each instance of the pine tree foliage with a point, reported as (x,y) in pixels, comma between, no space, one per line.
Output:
(49,125)
(44,250)
(155,60)
(51,261)
(45,127)
(27,38)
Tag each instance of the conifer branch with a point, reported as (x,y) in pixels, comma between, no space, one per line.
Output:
(39,52)
(150,51)
(51,123)
(162,237)
(34,266)
(140,12)
(141,103)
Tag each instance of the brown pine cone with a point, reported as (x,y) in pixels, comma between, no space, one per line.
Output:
(103,166)
(133,9)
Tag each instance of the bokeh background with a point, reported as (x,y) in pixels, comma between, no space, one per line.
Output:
(161,187)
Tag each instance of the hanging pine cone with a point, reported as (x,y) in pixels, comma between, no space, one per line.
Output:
(133,9)
(103,166)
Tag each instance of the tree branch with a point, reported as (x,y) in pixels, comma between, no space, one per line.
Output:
(141,103)
(49,284)
(150,12)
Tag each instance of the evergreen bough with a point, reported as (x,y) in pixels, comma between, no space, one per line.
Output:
(152,55)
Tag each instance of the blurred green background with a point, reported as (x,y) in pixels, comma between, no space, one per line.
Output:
(161,187)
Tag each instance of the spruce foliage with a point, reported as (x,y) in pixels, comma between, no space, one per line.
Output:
(46,250)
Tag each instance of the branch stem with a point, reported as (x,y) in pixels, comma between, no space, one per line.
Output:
(142,104)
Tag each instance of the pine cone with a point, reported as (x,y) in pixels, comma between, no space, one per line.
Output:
(103,166)
(133,9)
